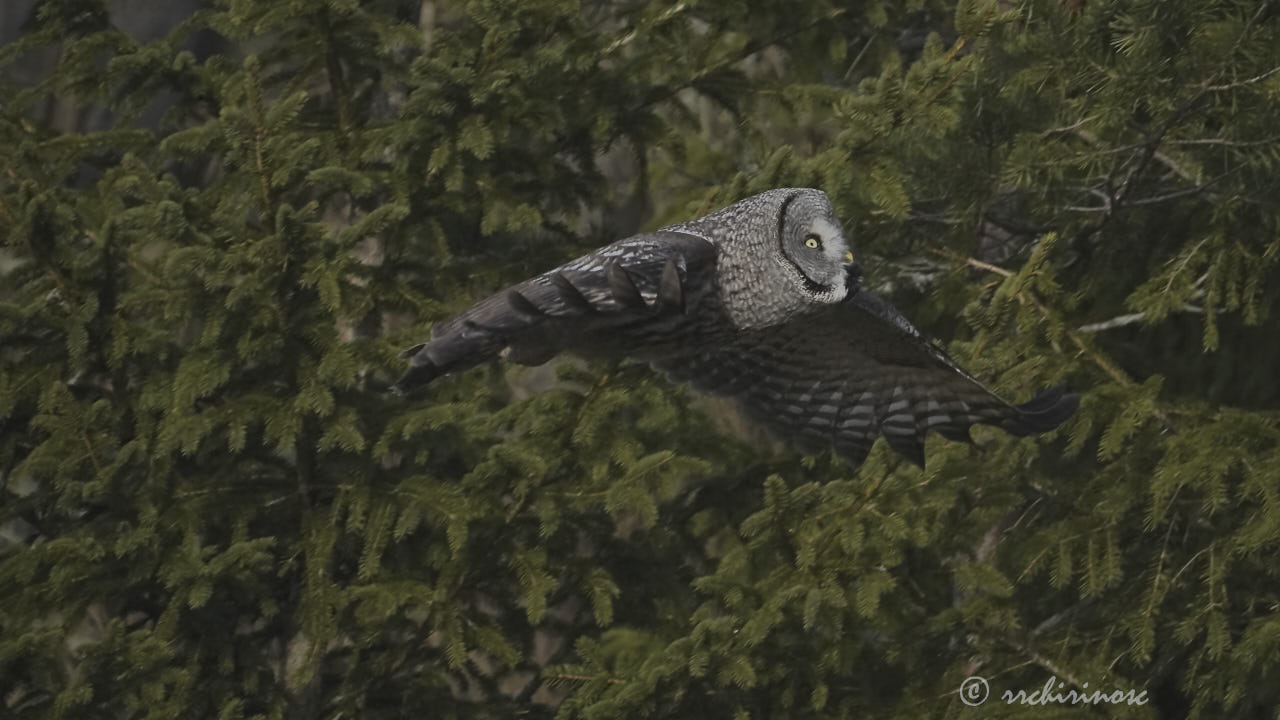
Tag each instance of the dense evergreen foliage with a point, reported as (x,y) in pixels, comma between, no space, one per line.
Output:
(210,507)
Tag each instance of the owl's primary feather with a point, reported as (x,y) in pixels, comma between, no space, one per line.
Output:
(758,301)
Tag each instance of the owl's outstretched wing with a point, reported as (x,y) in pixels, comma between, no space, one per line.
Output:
(639,280)
(855,370)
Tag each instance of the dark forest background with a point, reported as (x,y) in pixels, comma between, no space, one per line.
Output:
(222,220)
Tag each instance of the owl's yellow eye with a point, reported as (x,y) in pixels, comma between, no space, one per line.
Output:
(813,242)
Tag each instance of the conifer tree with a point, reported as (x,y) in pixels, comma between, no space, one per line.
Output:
(210,507)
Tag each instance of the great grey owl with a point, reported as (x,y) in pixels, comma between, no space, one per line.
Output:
(759,301)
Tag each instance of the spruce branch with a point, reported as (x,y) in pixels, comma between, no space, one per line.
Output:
(1081,344)
(50,269)
(337,80)
(951,79)
(130,260)
(857,505)
(259,135)
(93,456)
(663,93)
(1164,554)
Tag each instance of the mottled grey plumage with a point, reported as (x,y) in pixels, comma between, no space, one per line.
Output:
(759,301)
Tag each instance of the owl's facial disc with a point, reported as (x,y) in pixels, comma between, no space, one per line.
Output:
(813,243)
(834,248)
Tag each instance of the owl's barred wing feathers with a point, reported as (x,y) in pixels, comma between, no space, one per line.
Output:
(630,283)
(758,301)
(852,371)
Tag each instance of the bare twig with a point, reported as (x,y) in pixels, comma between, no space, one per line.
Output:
(1067,128)
(584,678)
(1115,322)
(1224,141)
(865,46)
(1173,166)
(974,263)
(1152,200)
(1242,83)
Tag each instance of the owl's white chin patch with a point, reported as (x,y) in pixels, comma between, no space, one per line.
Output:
(839,289)
(818,292)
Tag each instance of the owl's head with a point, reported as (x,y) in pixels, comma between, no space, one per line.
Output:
(812,246)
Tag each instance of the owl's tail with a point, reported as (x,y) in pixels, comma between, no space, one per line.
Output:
(1042,413)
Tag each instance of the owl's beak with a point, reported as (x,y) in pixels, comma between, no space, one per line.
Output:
(853,272)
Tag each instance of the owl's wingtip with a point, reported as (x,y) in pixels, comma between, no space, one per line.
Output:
(1047,410)
(418,374)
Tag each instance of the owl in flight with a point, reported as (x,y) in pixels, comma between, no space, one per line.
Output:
(759,301)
